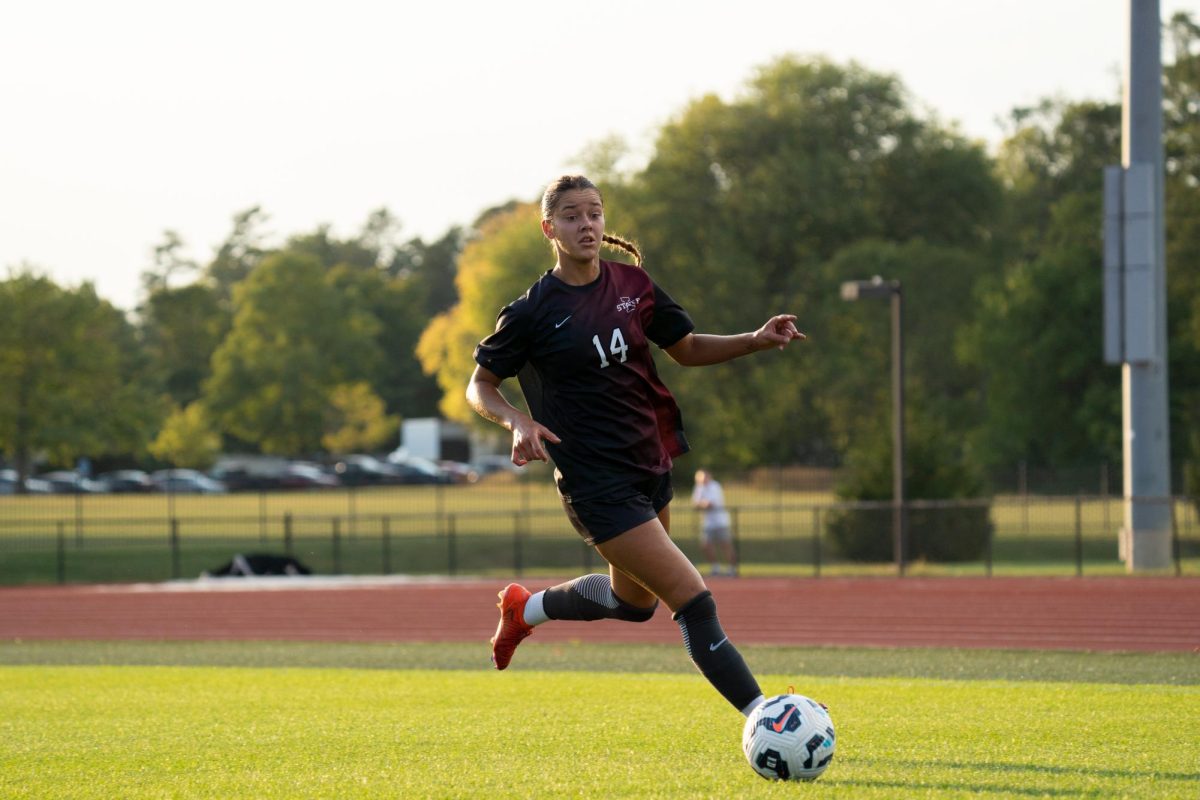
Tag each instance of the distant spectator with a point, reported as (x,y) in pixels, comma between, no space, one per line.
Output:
(716,531)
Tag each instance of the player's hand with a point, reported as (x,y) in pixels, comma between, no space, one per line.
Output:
(778,331)
(528,443)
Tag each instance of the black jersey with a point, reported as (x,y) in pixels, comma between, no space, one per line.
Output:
(582,356)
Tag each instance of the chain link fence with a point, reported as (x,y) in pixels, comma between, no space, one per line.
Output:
(785,522)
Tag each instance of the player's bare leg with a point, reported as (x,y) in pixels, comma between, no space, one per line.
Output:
(646,557)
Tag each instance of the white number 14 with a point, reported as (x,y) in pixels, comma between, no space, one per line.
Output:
(616,347)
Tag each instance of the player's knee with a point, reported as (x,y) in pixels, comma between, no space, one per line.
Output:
(630,613)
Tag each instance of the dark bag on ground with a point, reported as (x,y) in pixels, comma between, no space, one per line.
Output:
(260,564)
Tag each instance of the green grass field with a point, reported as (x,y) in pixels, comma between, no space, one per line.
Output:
(300,720)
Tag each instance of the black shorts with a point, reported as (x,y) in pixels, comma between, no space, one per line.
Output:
(620,509)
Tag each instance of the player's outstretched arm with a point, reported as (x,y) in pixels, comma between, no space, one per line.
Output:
(701,349)
(484,396)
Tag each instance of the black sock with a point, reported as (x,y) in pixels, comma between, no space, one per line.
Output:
(590,597)
(713,653)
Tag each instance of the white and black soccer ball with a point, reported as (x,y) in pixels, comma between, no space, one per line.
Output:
(789,738)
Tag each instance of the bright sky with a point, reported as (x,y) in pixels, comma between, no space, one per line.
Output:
(121,119)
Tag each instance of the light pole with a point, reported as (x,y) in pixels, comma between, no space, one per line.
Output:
(878,287)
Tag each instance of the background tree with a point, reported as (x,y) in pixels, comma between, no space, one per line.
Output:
(1181,101)
(744,204)
(169,262)
(187,438)
(294,339)
(356,420)
(241,251)
(1058,405)
(496,267)
(73,380)
(1049,398)
(181,329)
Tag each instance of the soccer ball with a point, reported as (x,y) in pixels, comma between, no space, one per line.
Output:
(789,737)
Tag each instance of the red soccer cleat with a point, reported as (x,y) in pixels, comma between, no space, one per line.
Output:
(512,628)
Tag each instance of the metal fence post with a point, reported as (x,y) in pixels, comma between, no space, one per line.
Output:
(386,524)
(517,543)
(439,508)
(1023,490)
(737,539)
(287,533)
(262,517)
(175,549)
(991,537)
(1175,539)
(1078,536)
(816,539)
(61,555)
(451,544)
(78,519)
(337,546)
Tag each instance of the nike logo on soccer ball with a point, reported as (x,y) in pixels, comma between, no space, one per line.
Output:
(712,647)
(778,724)
(564,322)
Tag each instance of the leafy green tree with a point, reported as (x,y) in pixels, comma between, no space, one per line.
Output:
(330,251)
(1049,397)
(356,420)
(854,369)
(1058,405)
(169,262)
(187,438)
(294,339)
(1181,96)
(181,329)
(241,251)
(495,268)
(744,203)
(430,268)
(396,305)
(74,384)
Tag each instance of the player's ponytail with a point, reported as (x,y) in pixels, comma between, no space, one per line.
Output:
(624,244)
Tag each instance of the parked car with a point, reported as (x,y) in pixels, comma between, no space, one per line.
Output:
(250,473)
(363,470)
(420,469)
(70,482)
(186,481)
(459,472)
(126,481)
(498,462)
(237,479)
(9,482)
(306,475)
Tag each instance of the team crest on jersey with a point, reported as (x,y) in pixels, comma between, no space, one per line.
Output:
(628,304)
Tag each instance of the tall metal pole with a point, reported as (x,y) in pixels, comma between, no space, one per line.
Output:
(1147,459)
(898,537)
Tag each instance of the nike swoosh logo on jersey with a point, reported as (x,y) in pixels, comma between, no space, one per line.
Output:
(712,647)
(564,321)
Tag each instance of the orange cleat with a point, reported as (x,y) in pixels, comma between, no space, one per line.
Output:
(512,628)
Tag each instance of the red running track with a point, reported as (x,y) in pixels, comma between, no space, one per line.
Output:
(1111,614)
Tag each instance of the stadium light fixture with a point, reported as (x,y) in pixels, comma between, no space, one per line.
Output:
(878,287)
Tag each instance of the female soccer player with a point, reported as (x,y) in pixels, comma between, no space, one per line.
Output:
(579,342)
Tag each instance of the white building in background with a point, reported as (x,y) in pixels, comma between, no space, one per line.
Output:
(436,439)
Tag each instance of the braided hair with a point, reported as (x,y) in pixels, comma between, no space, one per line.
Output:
(566,183)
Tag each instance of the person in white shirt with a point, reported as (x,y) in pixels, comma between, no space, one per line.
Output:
(715,529)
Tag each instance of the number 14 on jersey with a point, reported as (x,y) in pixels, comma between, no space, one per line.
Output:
(616,348)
